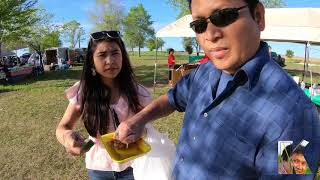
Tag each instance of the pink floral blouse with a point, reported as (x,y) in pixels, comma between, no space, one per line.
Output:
(97,158)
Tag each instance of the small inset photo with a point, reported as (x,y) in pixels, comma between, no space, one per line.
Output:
(291,159)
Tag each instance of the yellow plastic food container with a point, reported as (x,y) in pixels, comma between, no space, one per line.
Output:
(134,150)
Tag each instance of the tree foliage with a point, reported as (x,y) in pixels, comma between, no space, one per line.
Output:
(73,32)
(189,49)
(151,45)
(154,43)
(289,53)
(187,45)
(16,18)
(160,43)
(192,42)
(273,3)
(137,27)
(42,35)
(181,5)
(107,15)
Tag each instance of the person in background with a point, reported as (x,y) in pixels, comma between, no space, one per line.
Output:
(171,62)
(237,106)
(106,95)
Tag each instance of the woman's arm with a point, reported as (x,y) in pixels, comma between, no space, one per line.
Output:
(71,140)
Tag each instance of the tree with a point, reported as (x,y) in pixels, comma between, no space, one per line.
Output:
(182,5)
(42,35)
(189,49)
(160,43)
(187,44)
(15,19)
(138,27)
(273,3)
(154,43)
(289,53)
(151,45)
(191,42)
(80,36)
(196,45)
(73,32)
(107,15)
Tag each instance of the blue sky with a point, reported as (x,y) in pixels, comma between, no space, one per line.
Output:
(161,14)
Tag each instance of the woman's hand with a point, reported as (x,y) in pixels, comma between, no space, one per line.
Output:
(73,142)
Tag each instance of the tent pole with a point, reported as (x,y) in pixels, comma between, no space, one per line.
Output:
(155,69)
(304,63)
(307,59)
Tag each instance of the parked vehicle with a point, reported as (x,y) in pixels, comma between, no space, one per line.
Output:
(77,54)
(24,58)
(10,61)
(56,56)
(277,57)
(35,61)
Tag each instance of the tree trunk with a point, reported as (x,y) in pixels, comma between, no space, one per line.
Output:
(0,49)
(41,61)
(139,50)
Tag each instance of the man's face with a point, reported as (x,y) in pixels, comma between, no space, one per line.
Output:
(299,163)
(230,46)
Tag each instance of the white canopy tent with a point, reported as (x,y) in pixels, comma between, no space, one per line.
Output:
(298,25)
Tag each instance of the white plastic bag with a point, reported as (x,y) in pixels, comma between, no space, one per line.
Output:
(157,164)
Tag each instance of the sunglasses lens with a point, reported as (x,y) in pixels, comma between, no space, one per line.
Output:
(105,34)
(199,26)
(220,18)
(113,34)
(224,17)
(97,35)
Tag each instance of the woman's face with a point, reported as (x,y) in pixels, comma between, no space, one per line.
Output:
(107,59)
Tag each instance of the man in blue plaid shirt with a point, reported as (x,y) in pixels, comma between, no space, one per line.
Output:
(237,106)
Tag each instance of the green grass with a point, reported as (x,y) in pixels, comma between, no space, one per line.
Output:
(30,111)
(296,69)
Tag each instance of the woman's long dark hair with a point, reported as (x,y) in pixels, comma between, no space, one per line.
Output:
(95,96)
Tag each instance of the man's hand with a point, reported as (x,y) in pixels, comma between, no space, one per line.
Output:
(129,131)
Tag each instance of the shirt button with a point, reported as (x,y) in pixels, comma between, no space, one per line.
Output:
(181,159)
(205,114)
(194,138)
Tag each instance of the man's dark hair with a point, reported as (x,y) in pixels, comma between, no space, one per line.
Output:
(252,4)
(171,49)
(286,153)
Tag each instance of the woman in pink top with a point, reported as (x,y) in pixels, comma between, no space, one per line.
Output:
(107,91)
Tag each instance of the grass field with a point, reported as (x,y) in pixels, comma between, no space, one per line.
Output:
(31,109)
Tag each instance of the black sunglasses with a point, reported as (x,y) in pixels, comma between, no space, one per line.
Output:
(105,35)
(220,18)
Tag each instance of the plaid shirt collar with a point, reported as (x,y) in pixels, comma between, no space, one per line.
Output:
(252,68)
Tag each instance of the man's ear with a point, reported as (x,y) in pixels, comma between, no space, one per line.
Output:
(259,16)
